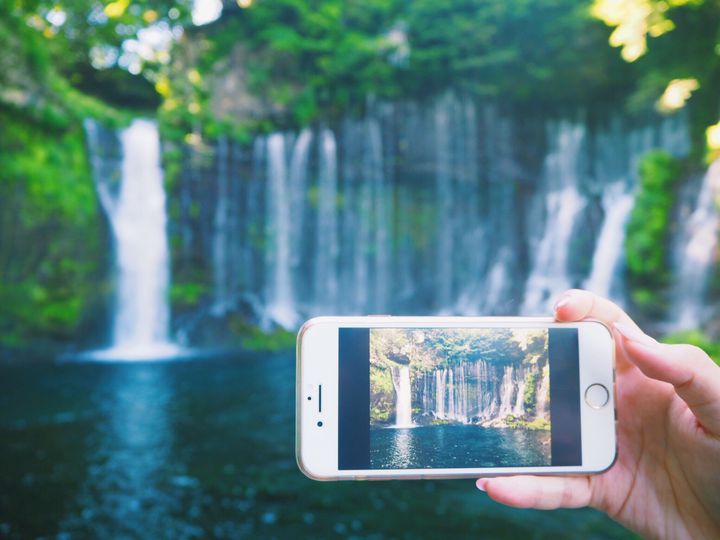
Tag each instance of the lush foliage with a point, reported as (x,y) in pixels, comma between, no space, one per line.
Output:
(697,338)
(674,45)
(529,397)
(648,232)
(254,339)
(96,44)
(382,400)
(50,231)
(54,250)
(307,60)
(426,350)
(51,235)
(283,63)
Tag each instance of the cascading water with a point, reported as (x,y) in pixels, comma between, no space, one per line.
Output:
(220,233)
(136,212)
(280,301)
(327,250)
(563,203)
(440,376)
(403,397)
(376,176)
(543,392)
(698,249)
(617,205)
(445,201)
(299,182)
(482,392)
(428,208)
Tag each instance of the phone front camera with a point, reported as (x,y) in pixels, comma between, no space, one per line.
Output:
(320,423)
(309,398)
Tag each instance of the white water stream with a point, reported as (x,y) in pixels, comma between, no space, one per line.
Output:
(617,204)
(403,404)
(136,211)
(698,249)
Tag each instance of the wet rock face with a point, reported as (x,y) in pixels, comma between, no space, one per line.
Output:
(231,95)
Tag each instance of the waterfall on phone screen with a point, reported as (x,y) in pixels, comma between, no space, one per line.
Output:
(481,391)
(403,404)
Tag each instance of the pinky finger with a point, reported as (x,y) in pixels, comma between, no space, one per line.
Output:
(541,492)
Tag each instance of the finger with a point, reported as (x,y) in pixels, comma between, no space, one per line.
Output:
(689,369)
(577,304)
(541,492)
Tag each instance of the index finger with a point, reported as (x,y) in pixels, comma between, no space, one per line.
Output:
(577,304)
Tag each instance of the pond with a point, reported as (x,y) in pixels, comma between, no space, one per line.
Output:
(458,445)
(205,448)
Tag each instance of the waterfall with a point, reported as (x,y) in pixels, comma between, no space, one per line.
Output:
(451,394)
(617,205)
(460,229)
(563,202)
(471,260)
(298,204)
(135,209)
(449,206)
(357,225)
(519,407)
(326,272)
(543,392)
(445,202)
(221,291)
(403,397)
(507,392)
(381,203)
(697,254)
(481,392)
(488,399)
(440,376)
(426,394)
(280,301)
(481,378)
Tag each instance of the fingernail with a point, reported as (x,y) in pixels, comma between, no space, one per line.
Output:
(562,302)
(633,334)
(481,484)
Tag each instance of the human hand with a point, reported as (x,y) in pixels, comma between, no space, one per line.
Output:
(665,482)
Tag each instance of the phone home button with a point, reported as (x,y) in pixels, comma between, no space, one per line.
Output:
(597,396)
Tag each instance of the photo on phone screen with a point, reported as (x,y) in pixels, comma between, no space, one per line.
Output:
(414,398)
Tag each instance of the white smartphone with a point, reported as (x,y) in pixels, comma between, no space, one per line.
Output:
(384,397)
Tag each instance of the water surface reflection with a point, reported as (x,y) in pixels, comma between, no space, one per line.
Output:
(205,449)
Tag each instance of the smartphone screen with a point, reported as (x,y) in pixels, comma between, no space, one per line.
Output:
(419,398)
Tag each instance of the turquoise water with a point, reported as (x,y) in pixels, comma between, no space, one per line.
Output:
(457,445)
(204,448)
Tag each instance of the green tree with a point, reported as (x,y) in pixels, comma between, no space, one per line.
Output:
(648,237)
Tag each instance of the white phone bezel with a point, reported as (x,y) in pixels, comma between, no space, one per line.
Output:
(318,362)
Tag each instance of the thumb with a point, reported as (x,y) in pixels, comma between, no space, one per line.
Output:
(541,492)
(689,369)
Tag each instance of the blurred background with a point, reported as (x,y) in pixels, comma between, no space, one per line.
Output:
(183,182)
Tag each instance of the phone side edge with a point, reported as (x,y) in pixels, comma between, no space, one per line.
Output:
(598,346)
(298,400)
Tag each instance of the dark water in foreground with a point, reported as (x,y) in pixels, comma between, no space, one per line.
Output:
(453,445)
(205,449)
